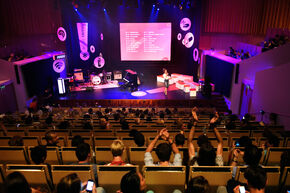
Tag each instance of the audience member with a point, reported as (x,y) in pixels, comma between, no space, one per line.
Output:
(206,155)
(163,151)
(51,138)
(84,155)
(117,149)
(132,182)
(198,184)
(256,180)
(179,140)
(16,183)
(16,141)
(38,154)
(76,140)
(72,184)
(139,138)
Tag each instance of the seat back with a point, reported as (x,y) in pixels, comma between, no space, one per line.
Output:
(87,139)
(165,179)
(286,176)
(273,156)
(262,140)
(110,176)
(84,172)
(4,140)
(62,141)
(273,177)
(104,154)
(129,142)
(31,140)
(13,155)
(2,177)
(104,141)
(36,175)
(216,175)
(68,155)
(53,156)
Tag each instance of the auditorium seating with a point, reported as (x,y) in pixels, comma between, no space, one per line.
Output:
(68,155)
(158,179)
(110,176)
(165,179)
(273,156)
(216,175)
(84,172)
(273,177)
(36,175)
(15,155)
(104,154)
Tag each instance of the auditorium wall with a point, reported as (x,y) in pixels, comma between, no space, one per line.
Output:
(248,69)
(271,93)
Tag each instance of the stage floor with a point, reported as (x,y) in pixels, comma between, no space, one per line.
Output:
(149,89)
(150,94)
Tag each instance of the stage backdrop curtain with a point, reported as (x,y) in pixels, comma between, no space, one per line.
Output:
(29,17)
(245,16)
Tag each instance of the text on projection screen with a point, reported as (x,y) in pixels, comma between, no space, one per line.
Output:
(145,41)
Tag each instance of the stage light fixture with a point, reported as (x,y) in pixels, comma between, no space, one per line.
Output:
(158,9)
(153,5)
(105,10)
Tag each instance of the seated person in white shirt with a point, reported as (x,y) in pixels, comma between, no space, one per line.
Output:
(163,151)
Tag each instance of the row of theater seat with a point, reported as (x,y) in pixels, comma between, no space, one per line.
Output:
(159,179)
(133,155)
(129,141)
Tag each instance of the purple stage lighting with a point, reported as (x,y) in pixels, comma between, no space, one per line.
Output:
(153,5)
(105,10)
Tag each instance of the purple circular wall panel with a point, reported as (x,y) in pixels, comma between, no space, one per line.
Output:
(58,66)
(61,34)
(185,24)
(99,62)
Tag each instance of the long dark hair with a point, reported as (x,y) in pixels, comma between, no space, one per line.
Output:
(16,183)
(130,183)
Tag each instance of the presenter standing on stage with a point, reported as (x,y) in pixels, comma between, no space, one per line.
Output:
(166,80)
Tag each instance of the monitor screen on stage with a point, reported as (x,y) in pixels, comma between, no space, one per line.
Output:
(145,41)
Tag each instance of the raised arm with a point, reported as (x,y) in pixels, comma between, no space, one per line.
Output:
(170,141)
(152,144)
(218,135)
(4,129)
(191,150)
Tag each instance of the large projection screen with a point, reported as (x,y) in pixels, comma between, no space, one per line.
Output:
(145,41)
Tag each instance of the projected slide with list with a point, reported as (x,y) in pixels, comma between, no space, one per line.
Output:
(145,41)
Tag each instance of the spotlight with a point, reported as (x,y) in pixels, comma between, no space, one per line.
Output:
(157,9)
(105,10)
(153,5)
(76,9)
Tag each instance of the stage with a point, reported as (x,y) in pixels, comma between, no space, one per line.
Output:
(150,94)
